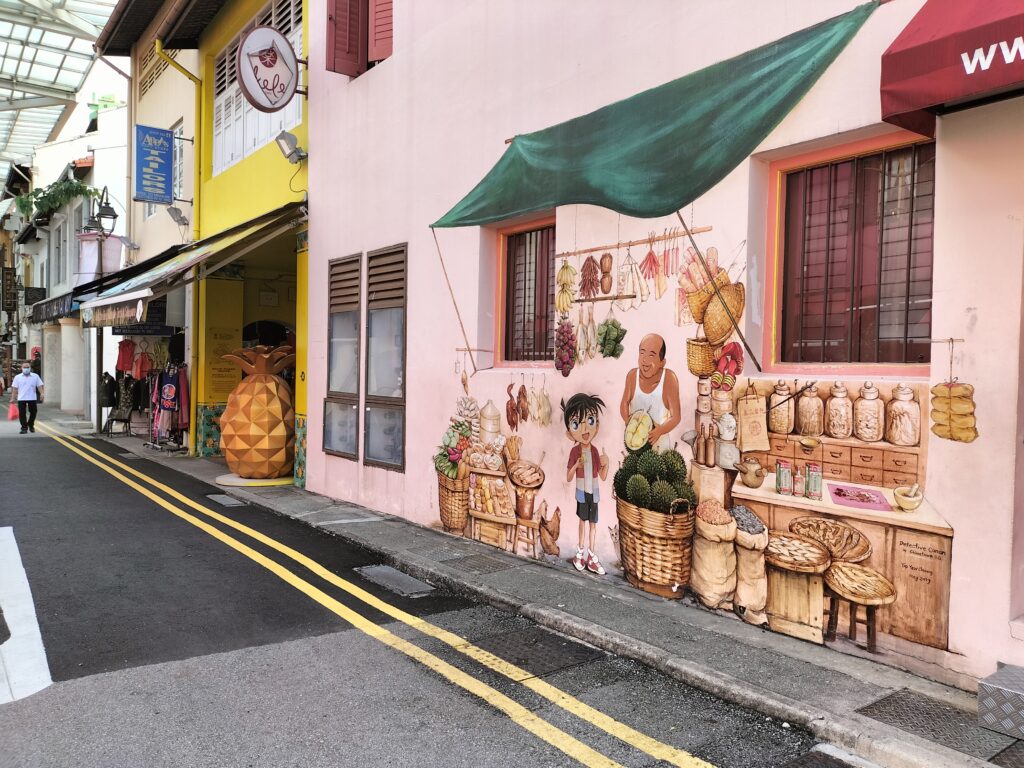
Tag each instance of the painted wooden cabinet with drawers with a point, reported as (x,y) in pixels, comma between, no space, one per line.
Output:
(879,464)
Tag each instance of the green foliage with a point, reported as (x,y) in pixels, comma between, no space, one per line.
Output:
(662,496)
(675,465)
(651,466)
(620,480)
(638,491)
(46,200)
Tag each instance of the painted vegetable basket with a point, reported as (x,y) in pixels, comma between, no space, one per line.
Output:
(656,548)
(453,502)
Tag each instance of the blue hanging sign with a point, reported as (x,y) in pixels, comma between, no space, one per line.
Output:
(154,151)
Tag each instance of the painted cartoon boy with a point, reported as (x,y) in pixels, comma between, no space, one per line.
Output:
(582,421)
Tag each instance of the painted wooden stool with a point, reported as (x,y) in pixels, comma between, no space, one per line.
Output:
(530,533)
(844,542)
(858,585)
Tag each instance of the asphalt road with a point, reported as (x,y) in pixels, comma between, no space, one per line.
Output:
(173,644)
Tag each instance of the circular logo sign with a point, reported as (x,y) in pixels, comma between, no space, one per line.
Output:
(267,69)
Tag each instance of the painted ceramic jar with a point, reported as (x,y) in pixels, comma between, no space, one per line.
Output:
(721,402)
(903,417)
(810,413)
(781,417)
(839,413)
(869,415)
(704,385)
(727,454)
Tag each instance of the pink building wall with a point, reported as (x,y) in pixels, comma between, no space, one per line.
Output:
(398,146)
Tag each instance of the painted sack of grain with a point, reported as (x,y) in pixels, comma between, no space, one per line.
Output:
(751,578)
(713,574)
(257,429)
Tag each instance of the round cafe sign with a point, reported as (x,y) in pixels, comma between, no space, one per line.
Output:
(267,69)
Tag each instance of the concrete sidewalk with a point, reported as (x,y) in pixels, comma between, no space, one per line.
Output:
(801,683)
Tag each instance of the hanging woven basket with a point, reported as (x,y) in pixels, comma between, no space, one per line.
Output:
(698,300)
(717,325)
(700,356)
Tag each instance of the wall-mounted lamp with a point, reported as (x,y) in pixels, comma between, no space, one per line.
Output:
(288,143)
(102,217)
(179,218)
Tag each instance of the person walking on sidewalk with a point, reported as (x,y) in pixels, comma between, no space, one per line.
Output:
(27,390)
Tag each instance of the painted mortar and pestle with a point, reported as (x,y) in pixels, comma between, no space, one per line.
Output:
(908,498)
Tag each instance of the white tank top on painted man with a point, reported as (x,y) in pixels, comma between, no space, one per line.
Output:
(653,402)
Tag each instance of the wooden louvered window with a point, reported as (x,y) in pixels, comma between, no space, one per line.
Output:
(857,285)
(530,295)
(359,34)
(384,430)
(341,409)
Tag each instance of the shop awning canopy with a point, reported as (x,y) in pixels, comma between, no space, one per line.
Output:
(653,153)
(952,54)
(113,305)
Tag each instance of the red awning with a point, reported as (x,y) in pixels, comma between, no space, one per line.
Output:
(952,53)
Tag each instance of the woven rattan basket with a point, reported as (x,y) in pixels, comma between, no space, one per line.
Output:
(655,548)
(699,299)
(700,356)
(717,325)
(453,501)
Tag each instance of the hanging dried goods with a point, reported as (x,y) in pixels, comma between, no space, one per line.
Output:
(610,334)
(582,341)
(953,412)
(511,410)
(565,280)
(649,266)
(565,347)
(606,273)
(590,278)
(523,404)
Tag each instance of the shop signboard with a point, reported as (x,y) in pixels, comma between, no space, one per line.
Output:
(9,290)
(155,323)
(154,168)
(34,296)
(267,69)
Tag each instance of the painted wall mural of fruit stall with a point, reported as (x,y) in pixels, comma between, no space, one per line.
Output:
(792,504)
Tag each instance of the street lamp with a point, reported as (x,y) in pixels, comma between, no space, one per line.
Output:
(102,216)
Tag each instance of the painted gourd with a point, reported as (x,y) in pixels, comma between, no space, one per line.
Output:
(257,429)
(638,428)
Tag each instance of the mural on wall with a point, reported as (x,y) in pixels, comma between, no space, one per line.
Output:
(582,417)
(798,504)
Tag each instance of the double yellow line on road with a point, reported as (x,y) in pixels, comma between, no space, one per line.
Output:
(516,712)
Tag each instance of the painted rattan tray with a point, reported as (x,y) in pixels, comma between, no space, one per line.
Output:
(843,542)
(793,552)
(858,584)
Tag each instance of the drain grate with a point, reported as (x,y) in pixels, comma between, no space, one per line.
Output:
(394,580)
(224,500)
(481,564)
(128,456)
(438,552)
(538,651)
(814,759)
(1012,757)
(937,721)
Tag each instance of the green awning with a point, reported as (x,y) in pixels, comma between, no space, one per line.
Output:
(655,152)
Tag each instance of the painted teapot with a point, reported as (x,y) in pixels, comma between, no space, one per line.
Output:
(752,474)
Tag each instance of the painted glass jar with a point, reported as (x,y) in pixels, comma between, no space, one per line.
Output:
(839,413)
(811,413)
(869,415)
(781,417)
(903,417)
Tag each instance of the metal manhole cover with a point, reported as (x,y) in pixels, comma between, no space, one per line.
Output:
(224,500)
(538,651)
(1012,757)
(937,721)
(393,579)
(128,456)
(481,564)
(437,552)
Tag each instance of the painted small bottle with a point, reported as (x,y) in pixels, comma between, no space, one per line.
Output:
(903,417)
(839,413)
(798,483)
(869,415)
(781,409)
(811,413)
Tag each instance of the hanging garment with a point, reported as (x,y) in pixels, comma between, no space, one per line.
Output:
(170,393)
(183,411)
(142,365)
(125,354)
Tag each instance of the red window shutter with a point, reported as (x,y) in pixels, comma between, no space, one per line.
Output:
(346,39)
(380,29)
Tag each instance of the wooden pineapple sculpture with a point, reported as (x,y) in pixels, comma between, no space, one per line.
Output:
(257,429)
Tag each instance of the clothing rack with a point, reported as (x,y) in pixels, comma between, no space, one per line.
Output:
(171,439)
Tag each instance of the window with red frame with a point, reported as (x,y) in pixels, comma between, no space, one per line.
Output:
(857,277)
(530,295)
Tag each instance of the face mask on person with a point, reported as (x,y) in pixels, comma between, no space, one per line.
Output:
(26,370)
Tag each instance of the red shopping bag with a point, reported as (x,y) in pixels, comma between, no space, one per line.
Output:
(12,412)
